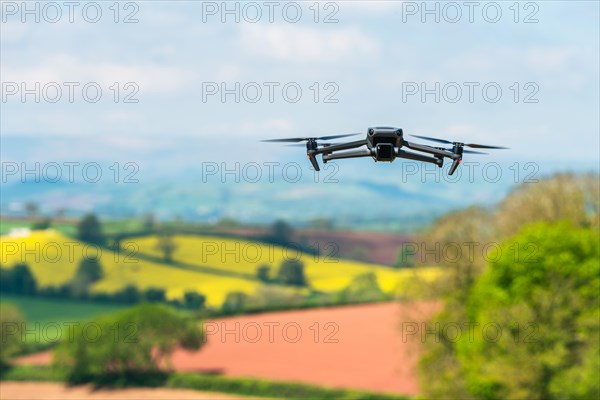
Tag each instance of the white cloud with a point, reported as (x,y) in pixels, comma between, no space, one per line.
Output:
(279,125)
(370,6)
(301,44)
(13,31)
(67,68)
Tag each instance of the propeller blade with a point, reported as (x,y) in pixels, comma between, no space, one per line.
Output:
(483,146)
(337,136)
(295,140)
(288,140)
(472,145)
(433,139)
(472,152)
(303,145)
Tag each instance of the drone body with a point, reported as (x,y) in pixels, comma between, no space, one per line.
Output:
(385,144)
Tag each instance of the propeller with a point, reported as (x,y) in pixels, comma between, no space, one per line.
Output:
(303,145)
(472,145)
(295,140)
(464,151)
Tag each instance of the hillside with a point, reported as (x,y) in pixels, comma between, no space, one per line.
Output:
(209,265)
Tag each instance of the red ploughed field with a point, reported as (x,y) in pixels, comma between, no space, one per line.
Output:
(358,347)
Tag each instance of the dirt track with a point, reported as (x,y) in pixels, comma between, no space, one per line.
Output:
(357,347)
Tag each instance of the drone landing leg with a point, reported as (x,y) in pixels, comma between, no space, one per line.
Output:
(313,161)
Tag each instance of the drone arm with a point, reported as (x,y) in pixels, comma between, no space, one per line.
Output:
(347,154)
(340,146)
(430,150)
(419,157)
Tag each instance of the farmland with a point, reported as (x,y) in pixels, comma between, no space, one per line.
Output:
(325,347)
(44,311)
(209,265)
(325,272)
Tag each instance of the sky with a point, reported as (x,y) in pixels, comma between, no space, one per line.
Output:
(221,76)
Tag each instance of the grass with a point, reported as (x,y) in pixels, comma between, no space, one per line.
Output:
(212,383)
(48,320)
(43,311)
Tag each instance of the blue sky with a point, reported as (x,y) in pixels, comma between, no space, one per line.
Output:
(367,61)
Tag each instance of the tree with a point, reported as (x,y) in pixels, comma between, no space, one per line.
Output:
(263,272)
(444,362)
(133,343)
(406,258)
(88,272)
(89,230)
(12,323)
(22,280)
(155,295)
(194,300)
(42,224)
(129,295)
(167,246)
(234,302)
(557,198)
(547,303)
(543,306)
(149,222)
(291,272)
(364,287)
(281,232)
(31,209)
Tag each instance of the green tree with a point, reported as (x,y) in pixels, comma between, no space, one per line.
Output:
(194,300)
(11,323)
(167,246)
(90,269)
(282,232)
(41,225)
(130,294)
(155,295)
(291,272)
(88,272)
(363,287)
(561,197)
(234,302)
(31,209)
(263,273)
(541,294)
(22,280)
(406,257)
(133,342)
(89,230)
(149,222)
(557,198)
(547,301)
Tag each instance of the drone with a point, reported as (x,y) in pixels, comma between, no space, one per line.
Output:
(384,144)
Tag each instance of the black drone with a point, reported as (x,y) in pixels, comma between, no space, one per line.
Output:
(385,144)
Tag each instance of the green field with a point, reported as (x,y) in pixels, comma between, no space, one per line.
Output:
(43,311)
(70,228)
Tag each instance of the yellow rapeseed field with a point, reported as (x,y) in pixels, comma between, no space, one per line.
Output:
(324,273)
(54,257)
